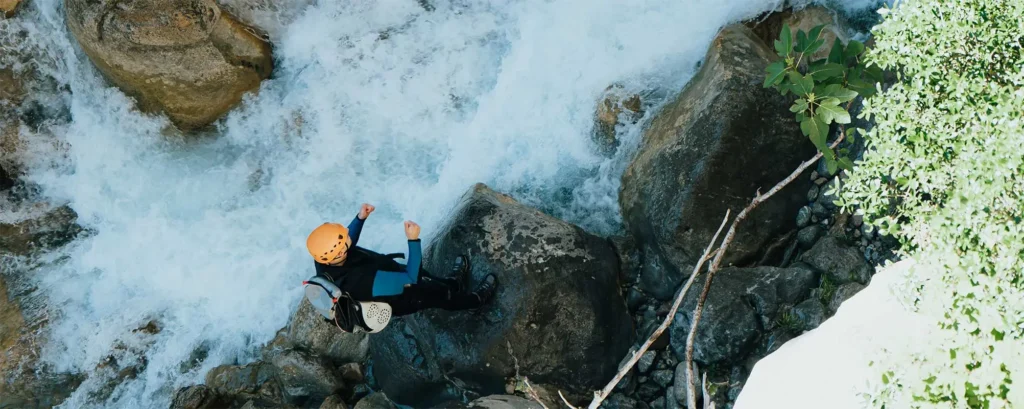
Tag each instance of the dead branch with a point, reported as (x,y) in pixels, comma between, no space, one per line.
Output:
(600,396)
(691,395)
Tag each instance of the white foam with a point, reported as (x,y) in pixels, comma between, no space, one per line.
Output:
(475,91)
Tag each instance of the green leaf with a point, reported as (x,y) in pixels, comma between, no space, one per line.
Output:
(829,111)
(836,55)
(874,72)
(784,45)
(862,87)
(799,106)
(811,49)
(776,73)
(830,70)
(831,166)
(885,379)
(801,41)
(816,130)
(802,85)
(853,49)
(838,92)
(814,41)
(846,163)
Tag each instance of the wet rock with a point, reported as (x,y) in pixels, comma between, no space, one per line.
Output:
(6,181)
(723,138)
(810,313)
(805,19)
(628,382)
(196,397)
(658,403)
(9,7)
(187,58)
(635,298)
(377,400)
(52,229)
(493,402)
(662,377)
(812,194)
(830,193)
(620,401)
(308,330)
(808,236)
(803,216)
(646,361)
(557,307)
(257,379)
(629,258)
(305,378)
(841,263)
(741,302)
(649,391)
(333,402)
(843,293)
(616,107)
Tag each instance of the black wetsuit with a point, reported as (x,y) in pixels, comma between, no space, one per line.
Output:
(370,276)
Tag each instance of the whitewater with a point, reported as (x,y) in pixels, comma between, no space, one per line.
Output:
(205,234)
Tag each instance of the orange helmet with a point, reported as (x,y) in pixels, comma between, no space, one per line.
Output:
(327,242)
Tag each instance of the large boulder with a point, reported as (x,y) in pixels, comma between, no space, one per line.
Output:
(9,7)
(724,138)
(308,331)
(24,381)
(840,262)
(742,303)
(557,315)
(804,19)
(186,58)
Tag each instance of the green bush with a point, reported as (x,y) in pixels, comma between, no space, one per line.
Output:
(944,173)
(824,88)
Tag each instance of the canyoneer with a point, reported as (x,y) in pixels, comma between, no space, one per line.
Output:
(359,290)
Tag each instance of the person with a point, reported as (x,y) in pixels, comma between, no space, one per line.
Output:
(373,277)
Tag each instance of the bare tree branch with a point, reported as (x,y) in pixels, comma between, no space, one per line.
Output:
(691,394)
(566,400)
(603,394)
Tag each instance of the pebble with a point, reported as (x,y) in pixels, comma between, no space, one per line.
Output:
(820,181)
(812,194)
(803,216)
(814,175)
(856,233)
(646,361)
(857,220)
(663,377)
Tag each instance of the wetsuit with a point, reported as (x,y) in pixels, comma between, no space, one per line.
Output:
(370,276)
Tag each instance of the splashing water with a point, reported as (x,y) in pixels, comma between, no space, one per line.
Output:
(207,236)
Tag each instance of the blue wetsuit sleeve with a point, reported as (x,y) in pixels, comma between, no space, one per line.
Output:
(393,283)
(354,229)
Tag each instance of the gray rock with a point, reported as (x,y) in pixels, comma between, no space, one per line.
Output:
(649,391)
(829,199)
(305,377)
(308,331)
(679,383)
(867,230)
(658,403)
(739,304)
(812,194)
(803,216)
(333,402)
(377,400)
(635,298)
(662,377)
(494,402)
(809,235)
(839,262)
(819,210)
(843,293)
(857,220)
(255,379)
(810,313)
(629,258)
(620,401)
(670,398)
(724,136)
(814,175)
(557,304)
(628,382)
(646,361)
(820,181)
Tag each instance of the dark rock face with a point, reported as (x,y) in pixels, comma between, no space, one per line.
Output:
(308,331)
(839,262)
(724,138)
(557,313)
(741,304)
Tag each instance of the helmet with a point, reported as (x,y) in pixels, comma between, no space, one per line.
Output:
(327,242)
